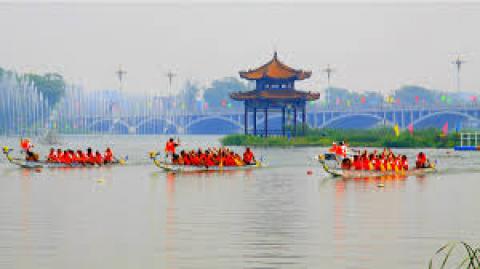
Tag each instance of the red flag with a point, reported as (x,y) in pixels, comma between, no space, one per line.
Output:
(417,99)
(410,128)
(445,129)
(363,99)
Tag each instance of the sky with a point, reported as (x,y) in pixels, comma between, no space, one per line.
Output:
(371,46)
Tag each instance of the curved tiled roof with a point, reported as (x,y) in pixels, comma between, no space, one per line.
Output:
(275,69)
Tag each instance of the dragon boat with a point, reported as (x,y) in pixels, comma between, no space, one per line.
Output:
(331,164)
(44,164)
(170,167)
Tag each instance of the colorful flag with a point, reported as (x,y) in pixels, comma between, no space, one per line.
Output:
(337,102)
(396,129)
(410,128)
(363,100)
(445,129)
(417,99)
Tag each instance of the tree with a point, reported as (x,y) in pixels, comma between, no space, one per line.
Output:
(191,92)
(51,85)
(218,94)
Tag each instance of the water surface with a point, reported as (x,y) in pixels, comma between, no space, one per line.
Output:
(277,217)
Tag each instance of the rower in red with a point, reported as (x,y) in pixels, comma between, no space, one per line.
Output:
(422,161)
(248,157)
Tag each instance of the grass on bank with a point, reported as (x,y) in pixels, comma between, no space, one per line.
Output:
(381,137)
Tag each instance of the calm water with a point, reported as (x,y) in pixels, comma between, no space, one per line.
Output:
(278,217)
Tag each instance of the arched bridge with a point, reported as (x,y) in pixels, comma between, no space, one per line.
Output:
(218,123)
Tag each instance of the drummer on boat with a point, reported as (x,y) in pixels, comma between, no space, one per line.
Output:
(170,147)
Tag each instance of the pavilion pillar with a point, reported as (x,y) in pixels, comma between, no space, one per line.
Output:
(265,131)
(304,117)
(246,120)
(255,121)
(295,121)
(283,121)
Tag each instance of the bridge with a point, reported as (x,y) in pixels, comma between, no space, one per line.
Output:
(225,123)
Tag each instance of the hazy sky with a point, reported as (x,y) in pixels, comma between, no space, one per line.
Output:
(371,46)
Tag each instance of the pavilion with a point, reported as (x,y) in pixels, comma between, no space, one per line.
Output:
(274,92)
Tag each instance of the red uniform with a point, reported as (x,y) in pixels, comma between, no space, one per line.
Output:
(365,164)
(108,156)
(66,158)
(170,147)
(357,164)
(209,161)
(248,156)
(98,158)
(52,157)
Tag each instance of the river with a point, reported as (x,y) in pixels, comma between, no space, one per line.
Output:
(276,217)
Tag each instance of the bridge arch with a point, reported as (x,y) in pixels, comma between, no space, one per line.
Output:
(213,119)
(336,120)
(113,124)
(166,125)
(433,115)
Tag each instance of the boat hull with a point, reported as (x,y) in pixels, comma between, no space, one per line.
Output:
(169,167)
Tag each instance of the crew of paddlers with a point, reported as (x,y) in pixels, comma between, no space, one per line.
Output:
(223,156)
(384,161)
(70,156)
(209,157)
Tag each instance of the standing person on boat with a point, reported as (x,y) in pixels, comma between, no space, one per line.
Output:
(248,157)
(170,147)
(25,144)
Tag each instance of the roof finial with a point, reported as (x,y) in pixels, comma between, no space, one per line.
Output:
(275,54)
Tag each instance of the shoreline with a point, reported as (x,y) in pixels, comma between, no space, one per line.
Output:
(377,138)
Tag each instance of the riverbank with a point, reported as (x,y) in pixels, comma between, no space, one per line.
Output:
(428,138)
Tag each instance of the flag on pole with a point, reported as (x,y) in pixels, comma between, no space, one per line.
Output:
(410,128)
(396,129)
(445,129)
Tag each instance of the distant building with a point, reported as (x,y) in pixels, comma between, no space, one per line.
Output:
(274,92)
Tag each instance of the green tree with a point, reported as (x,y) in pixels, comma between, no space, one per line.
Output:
(220,90)
(52,85)
(191,92)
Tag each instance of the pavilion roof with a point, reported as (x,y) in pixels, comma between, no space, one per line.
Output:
(275,69)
